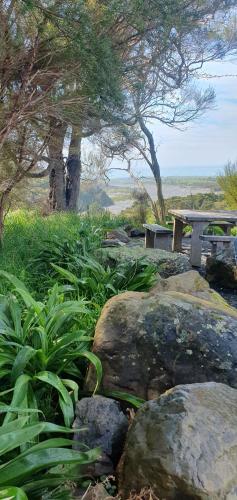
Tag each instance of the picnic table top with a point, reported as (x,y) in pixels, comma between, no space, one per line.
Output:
(205,216)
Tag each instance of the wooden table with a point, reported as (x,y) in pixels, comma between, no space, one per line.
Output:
(198,220)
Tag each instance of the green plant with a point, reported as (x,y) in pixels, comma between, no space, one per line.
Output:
(215,230)
(25,235)
(41,344)
(98,283)
(228,184)
(28,462)
(234,231)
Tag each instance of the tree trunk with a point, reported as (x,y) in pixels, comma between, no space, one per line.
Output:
(57,192)
(73,176)
(155,168)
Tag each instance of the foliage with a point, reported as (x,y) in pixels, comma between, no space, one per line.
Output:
(98,283)
(198,201)
(28,461)
(215,230)
(228,184)
(26,232)
(40,345)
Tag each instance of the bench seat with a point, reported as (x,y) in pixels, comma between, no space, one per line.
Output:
(157,236)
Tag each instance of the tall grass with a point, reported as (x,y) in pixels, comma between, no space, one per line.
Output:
(25,232)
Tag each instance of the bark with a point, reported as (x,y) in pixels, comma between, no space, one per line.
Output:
(73,175)
(57,196)
(155,168)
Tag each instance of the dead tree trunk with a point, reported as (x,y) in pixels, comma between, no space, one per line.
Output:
(155,168)
(57,192)
(73,175)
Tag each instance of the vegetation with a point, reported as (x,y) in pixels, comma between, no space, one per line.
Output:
(46,333)
(199,201)
(228,184)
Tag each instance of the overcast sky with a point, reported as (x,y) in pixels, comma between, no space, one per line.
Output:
(207,144)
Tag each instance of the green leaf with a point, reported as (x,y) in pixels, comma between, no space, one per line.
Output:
(73,386)
(12,493)
(134,400)
(64,397)
(66,274)
(21,360)
(19,398)
(15,281)
(17,471)
(97,364)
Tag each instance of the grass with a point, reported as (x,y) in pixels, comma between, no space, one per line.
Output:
(26,231)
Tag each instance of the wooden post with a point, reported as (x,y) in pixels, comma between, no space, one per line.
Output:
(196,243)
(178,234)
(149,238)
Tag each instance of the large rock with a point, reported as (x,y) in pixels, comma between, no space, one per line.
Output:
(184,445)
(167,263)
(105,427)
(148,343)
(221,268)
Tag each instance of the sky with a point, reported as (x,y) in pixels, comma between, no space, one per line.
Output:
(207,144)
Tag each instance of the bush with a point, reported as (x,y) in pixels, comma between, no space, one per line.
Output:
(41,343)
(26,232)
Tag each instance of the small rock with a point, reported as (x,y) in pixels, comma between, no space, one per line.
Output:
(184,445)
(106,428)
(118,234)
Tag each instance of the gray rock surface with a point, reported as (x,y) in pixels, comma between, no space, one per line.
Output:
(105,427)
(181,332)
(184,445)
(167,263)
(221,268)
(112,243)
(118,234)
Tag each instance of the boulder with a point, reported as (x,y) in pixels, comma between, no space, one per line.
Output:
(180,332)
(221,268)
(167,263)
(184,445)
(118,234)
(191,283)
(105,427)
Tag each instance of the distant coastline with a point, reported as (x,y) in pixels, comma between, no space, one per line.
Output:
(120,189)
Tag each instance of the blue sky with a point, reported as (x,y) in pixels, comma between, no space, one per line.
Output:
(207,144)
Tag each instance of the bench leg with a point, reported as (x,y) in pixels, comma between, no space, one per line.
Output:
(178,235)
(149,239)
(196,243)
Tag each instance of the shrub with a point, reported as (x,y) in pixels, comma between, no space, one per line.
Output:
(40,345)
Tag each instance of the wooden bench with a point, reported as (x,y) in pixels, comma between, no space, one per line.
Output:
(158,237)
(218,241)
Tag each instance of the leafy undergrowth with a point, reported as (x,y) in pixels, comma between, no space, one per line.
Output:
(52,290)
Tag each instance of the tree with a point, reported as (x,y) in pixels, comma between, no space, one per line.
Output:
(228,184)
(162,85)
(47,71)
